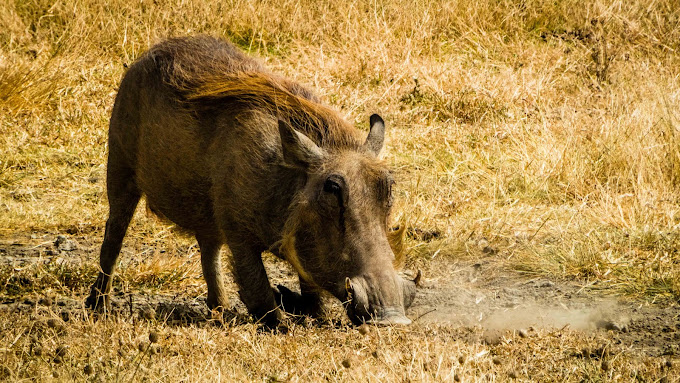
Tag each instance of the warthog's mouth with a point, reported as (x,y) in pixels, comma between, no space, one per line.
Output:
(390,317)
(362,307)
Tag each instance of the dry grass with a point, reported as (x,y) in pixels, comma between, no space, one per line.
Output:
(545,131)
(120,350)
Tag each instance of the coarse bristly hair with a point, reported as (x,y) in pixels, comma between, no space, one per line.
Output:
(207,72)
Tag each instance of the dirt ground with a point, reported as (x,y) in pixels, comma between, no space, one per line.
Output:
(456,294)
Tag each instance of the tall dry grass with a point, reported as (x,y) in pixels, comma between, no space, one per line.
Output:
(543,134)
(547,129)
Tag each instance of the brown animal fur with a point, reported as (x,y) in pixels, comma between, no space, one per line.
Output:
(237,155)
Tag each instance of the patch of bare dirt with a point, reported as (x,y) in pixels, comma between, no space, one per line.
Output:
(482,295)
(488,295)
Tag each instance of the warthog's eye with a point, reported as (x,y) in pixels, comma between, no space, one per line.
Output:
(334,193)
(331,186)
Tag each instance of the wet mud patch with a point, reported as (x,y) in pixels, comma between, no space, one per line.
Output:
(483,298)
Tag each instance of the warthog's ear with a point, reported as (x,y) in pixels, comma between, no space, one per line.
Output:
(298,149)
(376,136)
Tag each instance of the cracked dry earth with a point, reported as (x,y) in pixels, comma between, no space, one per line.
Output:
(462,294)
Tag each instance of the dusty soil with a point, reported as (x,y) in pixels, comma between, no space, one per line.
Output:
(463,294)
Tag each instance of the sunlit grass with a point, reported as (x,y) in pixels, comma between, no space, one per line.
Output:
(543,134)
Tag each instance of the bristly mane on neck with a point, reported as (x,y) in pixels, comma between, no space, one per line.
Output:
(267,93)
(208,73)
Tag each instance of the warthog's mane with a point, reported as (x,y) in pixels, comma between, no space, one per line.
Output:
(210,73)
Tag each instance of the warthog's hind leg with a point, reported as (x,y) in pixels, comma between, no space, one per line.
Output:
(212,270)
(123,195)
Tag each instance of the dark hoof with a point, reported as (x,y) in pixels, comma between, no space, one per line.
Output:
(97,300)
(295,303)
(288,300)
(273,321)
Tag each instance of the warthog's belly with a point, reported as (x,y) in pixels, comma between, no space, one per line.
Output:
(173,173)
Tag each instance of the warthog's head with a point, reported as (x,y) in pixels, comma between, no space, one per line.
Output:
(337,236)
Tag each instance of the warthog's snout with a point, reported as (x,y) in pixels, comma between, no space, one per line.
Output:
(390,317)
(380,301)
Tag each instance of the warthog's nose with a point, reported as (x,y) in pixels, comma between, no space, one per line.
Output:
(390,318)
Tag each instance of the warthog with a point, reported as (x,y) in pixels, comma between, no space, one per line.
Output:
(237,155)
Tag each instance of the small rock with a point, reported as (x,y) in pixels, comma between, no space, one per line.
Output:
(492,338)
(148,314)
(611,326)
(346,363)
(522,333)
(489,250)
(55,324)
(486,247)
(64,244)
(37,351)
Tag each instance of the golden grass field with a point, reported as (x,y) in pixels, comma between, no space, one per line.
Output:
(540,137)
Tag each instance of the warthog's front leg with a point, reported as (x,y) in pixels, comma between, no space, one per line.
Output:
(254,288)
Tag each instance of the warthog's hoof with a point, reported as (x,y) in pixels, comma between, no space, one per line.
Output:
(98,299)
(97,302)
(274,321)
(296,303)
